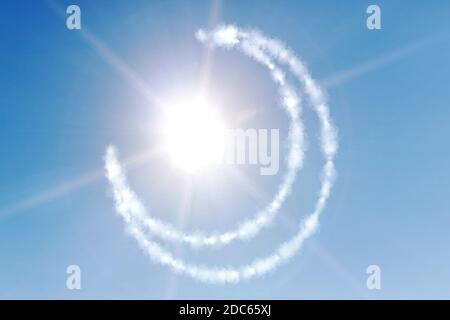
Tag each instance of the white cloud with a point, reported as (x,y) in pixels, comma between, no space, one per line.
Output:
(275,56)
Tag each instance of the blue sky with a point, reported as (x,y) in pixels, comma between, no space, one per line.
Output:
(63,101)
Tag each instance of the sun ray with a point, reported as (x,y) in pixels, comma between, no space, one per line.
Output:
(114,60)
(338,268)
(378,62)
(326,257)
(209,50)
(74,185)
(183,212)
(248,185)
(206,69)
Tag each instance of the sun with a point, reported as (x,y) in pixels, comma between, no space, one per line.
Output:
(194,134)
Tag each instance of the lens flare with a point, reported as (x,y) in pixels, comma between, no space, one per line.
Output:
(194,134)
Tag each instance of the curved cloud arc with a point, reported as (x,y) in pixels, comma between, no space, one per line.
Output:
(265,51)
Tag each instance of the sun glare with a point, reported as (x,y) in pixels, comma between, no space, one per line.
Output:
(194,135)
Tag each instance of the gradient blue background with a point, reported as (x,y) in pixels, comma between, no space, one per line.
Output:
(62,102)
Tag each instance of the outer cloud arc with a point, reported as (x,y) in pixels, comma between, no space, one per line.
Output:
(266,51)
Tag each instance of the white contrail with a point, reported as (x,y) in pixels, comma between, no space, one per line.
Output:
(265,51)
